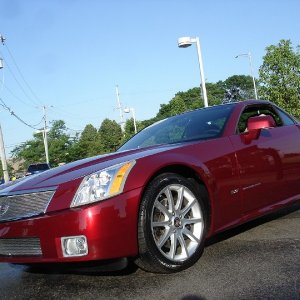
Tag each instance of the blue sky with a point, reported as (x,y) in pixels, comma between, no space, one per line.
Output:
(72,54)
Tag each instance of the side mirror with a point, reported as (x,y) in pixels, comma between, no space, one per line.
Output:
(249,136)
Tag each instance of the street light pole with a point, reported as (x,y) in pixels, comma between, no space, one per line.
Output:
(184,42)
(127,110)
(251,70)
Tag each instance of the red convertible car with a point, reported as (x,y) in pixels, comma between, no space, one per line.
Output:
(158,197)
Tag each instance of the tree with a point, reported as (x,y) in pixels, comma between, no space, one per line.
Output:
(10,170)
(33,151)
(175,106)
(192,98)
(280,76)
(181,102)
(110,135)
(87,145)
(242,83)
(29,152)
(130,130)
(215,92)
(59,143)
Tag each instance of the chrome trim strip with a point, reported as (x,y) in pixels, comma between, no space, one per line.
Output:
(32,191)
(20,247)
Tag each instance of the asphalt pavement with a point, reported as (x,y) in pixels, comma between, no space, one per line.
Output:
(258,260)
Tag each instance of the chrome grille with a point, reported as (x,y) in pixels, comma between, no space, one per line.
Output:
(23,206)
(20,247)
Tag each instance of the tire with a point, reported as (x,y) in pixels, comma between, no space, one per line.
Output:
(172,224)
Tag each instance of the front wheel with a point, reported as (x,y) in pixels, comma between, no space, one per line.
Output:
(172,224)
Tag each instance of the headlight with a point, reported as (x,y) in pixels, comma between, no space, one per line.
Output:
(102,184)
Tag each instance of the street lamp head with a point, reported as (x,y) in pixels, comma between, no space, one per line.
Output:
(184,42)
(242,54)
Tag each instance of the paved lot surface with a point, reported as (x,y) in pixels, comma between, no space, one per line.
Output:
(260,260)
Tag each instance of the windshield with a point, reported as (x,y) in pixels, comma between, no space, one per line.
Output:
(200,124)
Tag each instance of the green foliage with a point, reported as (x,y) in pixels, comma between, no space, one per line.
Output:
(243,83)
(87,145)
(33,151)
(9,169)
(181,102)
(59,143)
(145,123)
(30,152)
(192,98)
(176,106)
(215,92)
(280,76)
(110,135)
(129,129)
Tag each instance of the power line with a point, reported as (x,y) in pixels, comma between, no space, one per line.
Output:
(14,95)
(74,130)
(66,113)
(21,74)
(2,40)
(18,83)
(3,104)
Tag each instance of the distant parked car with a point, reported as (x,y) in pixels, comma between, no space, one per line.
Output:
(37,168)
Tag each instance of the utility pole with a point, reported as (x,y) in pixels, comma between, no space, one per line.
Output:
(3,158)
(44,132)
(119,107)
(2,149)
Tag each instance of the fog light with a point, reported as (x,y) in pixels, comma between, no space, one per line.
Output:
(74,246)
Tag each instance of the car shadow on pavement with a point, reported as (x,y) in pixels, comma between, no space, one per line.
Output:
(100,269)
(95,268)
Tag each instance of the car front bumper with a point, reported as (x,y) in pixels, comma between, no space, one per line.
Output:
(110,228)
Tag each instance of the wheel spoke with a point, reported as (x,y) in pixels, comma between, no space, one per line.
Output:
(162,208)
(183,246)
(180,198)
(160,224)
(168,232)
(170,199)
(190,235)
(188,207)
(173,247)
(191,221)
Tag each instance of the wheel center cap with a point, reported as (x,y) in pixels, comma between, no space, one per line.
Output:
(177,222)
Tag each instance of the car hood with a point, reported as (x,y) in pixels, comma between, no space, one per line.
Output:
(76,170)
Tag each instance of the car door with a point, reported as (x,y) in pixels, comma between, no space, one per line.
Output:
(268,163)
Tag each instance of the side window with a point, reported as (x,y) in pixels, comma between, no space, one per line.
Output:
(253,111)
(286,119)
